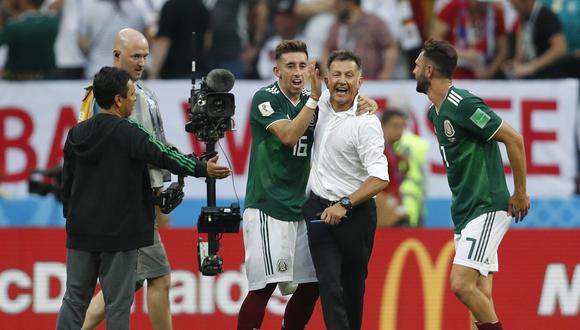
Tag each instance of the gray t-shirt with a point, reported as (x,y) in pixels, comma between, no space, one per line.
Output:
(100,21)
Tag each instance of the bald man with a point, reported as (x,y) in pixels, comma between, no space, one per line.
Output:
(130,53)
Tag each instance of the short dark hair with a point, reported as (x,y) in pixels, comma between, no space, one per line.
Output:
(344,55)
(290,46)
(108,83)
(391,113)
(442,54)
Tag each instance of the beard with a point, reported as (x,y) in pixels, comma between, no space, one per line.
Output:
(422,85)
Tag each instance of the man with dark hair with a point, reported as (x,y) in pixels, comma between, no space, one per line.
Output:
(468,132)
(107,200)
(540,43)
(130,53)
(173,47)
(282,123)
(348,170)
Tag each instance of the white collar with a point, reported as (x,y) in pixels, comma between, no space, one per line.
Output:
(349,112)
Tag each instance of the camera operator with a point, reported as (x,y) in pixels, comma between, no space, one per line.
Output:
(107,200)
(130,53)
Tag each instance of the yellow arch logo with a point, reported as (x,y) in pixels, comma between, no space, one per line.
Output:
(433,278)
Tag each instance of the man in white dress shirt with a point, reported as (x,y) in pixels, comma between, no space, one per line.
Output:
(348,169)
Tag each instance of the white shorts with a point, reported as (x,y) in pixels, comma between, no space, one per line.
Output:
(276,251)
(476,246)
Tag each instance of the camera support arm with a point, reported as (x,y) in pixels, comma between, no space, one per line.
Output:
(211,111)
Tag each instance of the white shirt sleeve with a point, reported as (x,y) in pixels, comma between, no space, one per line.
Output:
(371,146)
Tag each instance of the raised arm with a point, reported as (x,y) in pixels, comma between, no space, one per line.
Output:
(290,131)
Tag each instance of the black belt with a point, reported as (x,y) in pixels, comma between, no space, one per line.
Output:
(321,200)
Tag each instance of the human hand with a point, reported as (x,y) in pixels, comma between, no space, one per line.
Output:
(366,104)
(483,73)
(522,70)
(474,58)
(385,74)
(249,53)
(315,81)
(519,204)
(217,171)
(333,214)
(507,68)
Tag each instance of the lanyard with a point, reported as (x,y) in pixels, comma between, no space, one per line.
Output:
(528,43)
(153,110)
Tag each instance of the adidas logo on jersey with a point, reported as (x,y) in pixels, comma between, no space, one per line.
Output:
(273,90)
(454,98)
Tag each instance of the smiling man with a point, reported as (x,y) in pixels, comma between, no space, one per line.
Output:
(282,119)
(469,132)
(348,170)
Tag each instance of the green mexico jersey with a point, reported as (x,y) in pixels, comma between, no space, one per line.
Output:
(278,174)
(30,38)
(465,127)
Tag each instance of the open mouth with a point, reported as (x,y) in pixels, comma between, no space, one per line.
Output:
(341,91)
(297,82)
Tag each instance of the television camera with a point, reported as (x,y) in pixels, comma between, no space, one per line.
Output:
(210,113)
(46,181)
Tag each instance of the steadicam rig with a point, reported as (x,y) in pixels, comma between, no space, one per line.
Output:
(210,113)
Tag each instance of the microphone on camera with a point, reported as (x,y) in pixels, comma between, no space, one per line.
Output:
(220,80)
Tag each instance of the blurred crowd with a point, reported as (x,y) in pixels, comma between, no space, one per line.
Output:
(496,39)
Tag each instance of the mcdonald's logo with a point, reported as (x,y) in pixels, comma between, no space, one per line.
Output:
(433,279)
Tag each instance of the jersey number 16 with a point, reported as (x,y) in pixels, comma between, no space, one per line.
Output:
(301,147)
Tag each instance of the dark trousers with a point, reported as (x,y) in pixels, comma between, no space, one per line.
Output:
(116,272)
(340,254)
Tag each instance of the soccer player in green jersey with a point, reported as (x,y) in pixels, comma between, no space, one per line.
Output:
(282,120)
(468,132)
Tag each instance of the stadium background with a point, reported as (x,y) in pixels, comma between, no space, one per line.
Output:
(539,282)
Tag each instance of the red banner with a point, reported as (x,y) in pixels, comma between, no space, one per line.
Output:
(538,286)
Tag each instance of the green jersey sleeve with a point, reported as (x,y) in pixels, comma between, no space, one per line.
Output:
(476,117)
(266,109)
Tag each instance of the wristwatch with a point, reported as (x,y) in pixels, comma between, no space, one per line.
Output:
(346,203)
